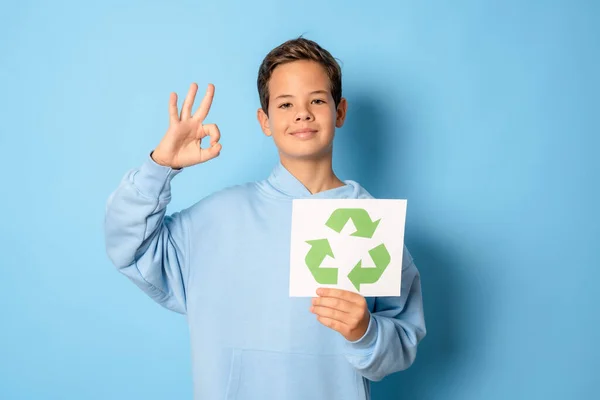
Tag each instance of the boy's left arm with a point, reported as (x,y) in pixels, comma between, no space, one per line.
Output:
(384,340)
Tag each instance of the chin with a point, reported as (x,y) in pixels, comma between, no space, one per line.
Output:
(306,154)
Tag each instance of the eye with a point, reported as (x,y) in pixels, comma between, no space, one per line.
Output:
(285,105)
(318,101)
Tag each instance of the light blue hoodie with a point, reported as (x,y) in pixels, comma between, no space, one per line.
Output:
(224,263)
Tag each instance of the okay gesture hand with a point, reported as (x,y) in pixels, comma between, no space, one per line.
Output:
(180,147)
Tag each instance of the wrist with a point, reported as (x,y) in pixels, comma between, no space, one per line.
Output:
(153,180)
(367,340)
(157,158)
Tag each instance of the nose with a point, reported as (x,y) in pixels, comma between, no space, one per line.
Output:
(304,115)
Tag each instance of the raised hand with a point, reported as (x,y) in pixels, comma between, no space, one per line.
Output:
(180,147)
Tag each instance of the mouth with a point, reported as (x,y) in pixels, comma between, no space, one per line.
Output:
(304,133)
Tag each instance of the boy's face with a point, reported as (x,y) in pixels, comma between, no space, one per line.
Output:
(302,114)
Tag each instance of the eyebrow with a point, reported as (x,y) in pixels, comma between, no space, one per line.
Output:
(281,96)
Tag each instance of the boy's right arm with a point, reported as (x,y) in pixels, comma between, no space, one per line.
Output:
(144,244)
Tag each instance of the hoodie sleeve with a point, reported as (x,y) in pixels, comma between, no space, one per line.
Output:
(396,327)
(142,242)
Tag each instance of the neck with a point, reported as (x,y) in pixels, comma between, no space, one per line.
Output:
(315,174)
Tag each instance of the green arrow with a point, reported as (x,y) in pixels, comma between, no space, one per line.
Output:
(365,227)
(360,275)
(320,249)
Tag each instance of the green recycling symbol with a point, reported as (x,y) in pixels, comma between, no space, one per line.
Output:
(320,249)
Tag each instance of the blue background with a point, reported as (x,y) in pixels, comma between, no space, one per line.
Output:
(483,114)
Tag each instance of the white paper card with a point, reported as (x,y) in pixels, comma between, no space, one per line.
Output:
(350,244)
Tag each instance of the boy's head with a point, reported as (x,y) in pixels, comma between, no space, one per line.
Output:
(300,89)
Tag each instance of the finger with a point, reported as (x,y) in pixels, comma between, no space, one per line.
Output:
(211,152)
(331,313)
(210,130)
(186,109)
(334,303)
(173,114)
(204,107)
(335,325)
(341,294)
(214,150)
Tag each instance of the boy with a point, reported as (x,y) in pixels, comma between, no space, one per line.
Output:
(224,261)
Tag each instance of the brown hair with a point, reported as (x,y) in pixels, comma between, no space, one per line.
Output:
(295,50)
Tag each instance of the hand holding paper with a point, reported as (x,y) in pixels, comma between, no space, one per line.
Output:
(343,311)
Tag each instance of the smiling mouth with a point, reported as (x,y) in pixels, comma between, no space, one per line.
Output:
(304,133)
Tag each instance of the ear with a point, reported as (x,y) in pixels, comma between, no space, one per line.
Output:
(341,113)
(263,120)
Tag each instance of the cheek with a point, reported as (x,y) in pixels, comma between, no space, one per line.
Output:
(326,115)
(277,123)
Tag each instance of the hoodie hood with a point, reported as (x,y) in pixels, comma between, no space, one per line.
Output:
(282,184)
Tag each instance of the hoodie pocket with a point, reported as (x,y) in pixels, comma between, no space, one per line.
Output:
(257,374)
